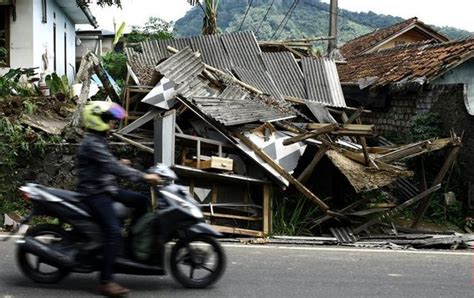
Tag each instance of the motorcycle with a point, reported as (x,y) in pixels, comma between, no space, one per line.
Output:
(49,252)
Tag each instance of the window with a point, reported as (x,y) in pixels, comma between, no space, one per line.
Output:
(4,35)
(44,7)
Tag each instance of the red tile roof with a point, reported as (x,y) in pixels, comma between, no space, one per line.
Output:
(416,60)
(368,41)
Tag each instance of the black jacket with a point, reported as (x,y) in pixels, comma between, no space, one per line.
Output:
(98,169)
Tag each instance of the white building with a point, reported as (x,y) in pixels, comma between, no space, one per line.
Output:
(41,33)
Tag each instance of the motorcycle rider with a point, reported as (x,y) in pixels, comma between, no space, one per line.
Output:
(97,172)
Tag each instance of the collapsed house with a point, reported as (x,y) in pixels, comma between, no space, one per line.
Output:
(401,82)
(237,124)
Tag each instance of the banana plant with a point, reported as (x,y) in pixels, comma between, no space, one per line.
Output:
(210,15)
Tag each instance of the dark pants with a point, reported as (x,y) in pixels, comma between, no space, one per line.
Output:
(102,206)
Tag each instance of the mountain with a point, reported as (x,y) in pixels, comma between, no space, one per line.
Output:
(309,18)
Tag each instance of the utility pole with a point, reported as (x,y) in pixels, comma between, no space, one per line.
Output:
(332,44)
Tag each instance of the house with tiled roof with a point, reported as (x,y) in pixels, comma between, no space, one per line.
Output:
(408,31)
(402,82)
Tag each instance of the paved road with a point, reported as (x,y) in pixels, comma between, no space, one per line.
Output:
(276,271)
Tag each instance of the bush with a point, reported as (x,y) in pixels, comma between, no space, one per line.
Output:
(116,65)
(425,126)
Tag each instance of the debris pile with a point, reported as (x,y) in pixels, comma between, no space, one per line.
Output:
(219,102)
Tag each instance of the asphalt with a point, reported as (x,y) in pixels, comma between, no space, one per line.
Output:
(284,271)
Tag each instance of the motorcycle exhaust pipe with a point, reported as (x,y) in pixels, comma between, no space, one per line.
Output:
(47,254)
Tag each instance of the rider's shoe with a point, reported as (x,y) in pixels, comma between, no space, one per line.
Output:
(112,289)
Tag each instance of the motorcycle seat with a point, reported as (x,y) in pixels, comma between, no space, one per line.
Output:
(67,195)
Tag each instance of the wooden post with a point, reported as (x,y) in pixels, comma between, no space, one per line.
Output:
(127,104)
(214,194)
(364,147)
(267,209)
(439,178)
(306,192)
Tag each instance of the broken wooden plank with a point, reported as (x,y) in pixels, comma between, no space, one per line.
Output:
(309,169)
(398,208)
(311,134)
(237,231)
(306,192)
(348,129)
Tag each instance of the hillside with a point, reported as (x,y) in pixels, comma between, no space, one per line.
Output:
(309,19)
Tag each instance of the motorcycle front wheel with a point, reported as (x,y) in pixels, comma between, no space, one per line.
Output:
(33,266)
(197,263)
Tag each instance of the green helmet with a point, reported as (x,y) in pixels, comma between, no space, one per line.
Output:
(97,114)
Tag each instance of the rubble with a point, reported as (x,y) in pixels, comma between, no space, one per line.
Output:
(238,107)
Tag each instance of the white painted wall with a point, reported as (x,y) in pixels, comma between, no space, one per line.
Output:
(21,35)
(30,38)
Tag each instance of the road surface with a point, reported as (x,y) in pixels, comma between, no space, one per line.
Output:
(284,271)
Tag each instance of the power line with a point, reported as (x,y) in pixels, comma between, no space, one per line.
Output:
(284,18)
(264,17)
(289,16)
(246,13)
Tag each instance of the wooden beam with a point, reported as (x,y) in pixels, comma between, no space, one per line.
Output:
(230,216)
(311,134)
(309,169)
(140,121)
(354,116)
(306,192)
(237,231)
(439,179)
(267,209)
(136,144)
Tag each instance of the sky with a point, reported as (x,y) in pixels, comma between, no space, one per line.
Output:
(454,13)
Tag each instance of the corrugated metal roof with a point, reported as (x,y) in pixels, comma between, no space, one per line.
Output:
(286,73)
(181,67)
(243,49)
(320,112)
(233,92)
(259,79)
(212,50)
(234,112)
(322,81)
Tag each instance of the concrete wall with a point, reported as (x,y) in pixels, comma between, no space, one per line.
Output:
(30,38)
(464,73)
(405,102)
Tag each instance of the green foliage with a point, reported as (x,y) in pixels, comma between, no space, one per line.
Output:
(425,126)
(309,19)
(116,65)
(10,83)
(154,29)
(102,3)
(58,85)
(293,217)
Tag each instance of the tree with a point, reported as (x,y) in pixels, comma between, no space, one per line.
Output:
(154,29)
(209,25)
(102,3)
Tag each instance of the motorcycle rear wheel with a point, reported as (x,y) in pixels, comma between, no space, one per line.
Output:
(200,255)
(31,265)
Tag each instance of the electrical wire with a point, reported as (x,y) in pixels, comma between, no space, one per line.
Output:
(264,18)
(289,16)
(284,18)
(246,13)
